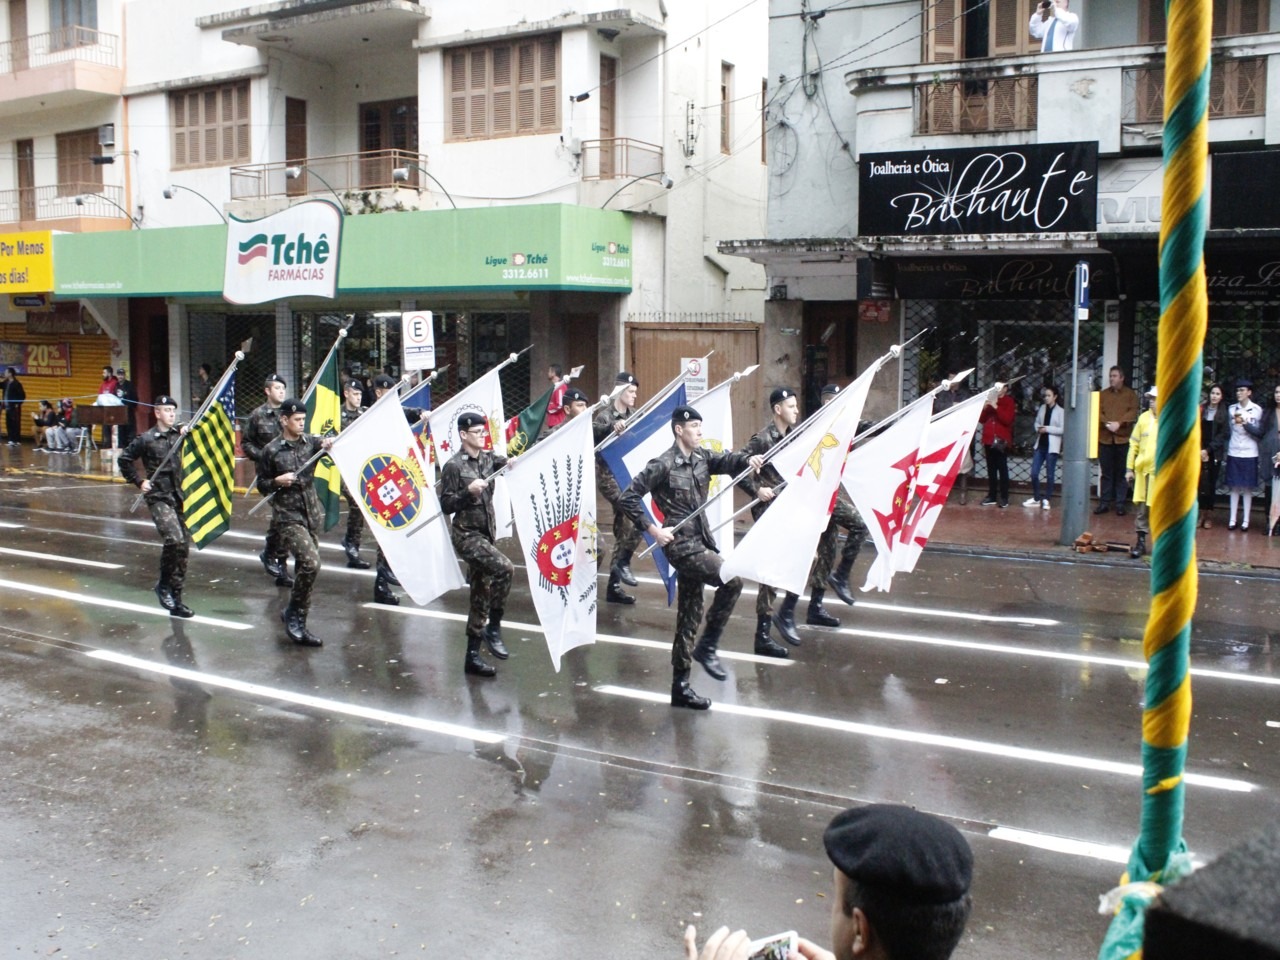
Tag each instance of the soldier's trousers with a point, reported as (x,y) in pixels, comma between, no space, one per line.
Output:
(843,516)
(626,535)
(490,579)
(276,548)
(355,520)
(177,543)
(302,543)
(692,571)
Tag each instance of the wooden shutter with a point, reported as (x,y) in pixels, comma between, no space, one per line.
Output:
(944,30)
(1221,18)
(1152,26)
(527,71)
(1009,34)
(503,87)
(478,85)
(549,84)
(457,95)
(1252,17)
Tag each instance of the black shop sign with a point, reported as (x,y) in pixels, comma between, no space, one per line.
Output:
(1034,188)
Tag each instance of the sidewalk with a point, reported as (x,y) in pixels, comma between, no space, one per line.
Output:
(971,528)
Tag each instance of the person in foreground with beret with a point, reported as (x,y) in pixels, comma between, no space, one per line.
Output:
(263,427)
(612,419)
(678,480)
(467,493)
(901,890)
(162,489)
(286,473)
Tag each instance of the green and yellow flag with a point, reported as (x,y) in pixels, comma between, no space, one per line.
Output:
(324,416)
(208,469)
(522,430)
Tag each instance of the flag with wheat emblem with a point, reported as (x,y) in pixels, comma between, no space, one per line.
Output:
(208,469)
(324,416)
(553,495)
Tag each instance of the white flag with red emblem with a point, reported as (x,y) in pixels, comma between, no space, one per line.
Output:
(483,397)
(880,478)
(385,470)
(553,496)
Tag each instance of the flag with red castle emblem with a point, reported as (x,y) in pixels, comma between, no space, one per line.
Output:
(553,496)
(484,397)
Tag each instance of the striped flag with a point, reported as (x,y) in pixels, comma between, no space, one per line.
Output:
(208,469)
(324,416)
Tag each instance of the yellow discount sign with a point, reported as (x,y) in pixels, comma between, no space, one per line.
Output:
(26,262)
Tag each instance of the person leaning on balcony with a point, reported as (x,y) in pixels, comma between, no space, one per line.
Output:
(1054,25)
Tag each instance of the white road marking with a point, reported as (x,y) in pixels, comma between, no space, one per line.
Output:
(253,558)
(1003,750)
(117,604)
(602,637)
(11,526)
(1273,723)
(302,699)
(58,558)
(1047,841)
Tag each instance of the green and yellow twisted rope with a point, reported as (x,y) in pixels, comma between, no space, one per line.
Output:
(1183,319)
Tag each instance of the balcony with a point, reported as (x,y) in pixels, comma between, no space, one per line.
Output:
(364,181)
(1237,88)
(54,207)
(976,106)
(324,30)
(620,158)
(70,66)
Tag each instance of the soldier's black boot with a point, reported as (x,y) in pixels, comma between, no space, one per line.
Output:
(622,567)
(284,580)
(385,571)
(818,616)
(293,624)
(180,609)
(614,592)
(353,556)
(309,639)
(273,566)
(766,646)
(785,620)
(473,665)
(382,590)
(164,595)
(493,636)
(1137,550)
(683,695)
(705,653)
(839,581)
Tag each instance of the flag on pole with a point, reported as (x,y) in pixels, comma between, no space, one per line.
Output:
(485,398)
(522,430)
(779,547)
(880,480)
(553,490)
(716,408)
(419,398)
(379,459)
(324,415)
(208,469)
(644,439)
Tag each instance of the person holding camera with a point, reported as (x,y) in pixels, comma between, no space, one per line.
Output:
(1054,25)
(1245,418)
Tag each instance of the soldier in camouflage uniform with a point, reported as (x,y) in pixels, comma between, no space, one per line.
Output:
(843,517)
(465,492)
(352,393)
(162,489)
(286,475)
(764,487)
(626,535)
(262,428)
(575,404)
(678,481)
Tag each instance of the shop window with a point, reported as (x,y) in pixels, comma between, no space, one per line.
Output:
(77,173)
(503,89)
(972,29)
(210,125)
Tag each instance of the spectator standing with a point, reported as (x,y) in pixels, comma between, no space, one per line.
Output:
(1140,470)
(1242,453)
(200,389)
(1049,424)
(129,397)
(997,437)
(1117,413)
(14,396)
(1054,25)
(109,382)
(1268,447)
(1215,428)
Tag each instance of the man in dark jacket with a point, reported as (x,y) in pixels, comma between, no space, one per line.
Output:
(14,395)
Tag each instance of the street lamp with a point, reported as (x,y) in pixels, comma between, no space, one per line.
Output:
(80,202)
(171,190)
(667,184)
(293,173)
(401,174)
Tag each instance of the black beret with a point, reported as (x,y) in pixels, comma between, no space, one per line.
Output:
(915,856)
(164,400)
(383,382)
(291,406)
(468,420)
(1245,382)
(780,394)
(574,395)
(684,414)
(274,378)
(352,384)
(831,389)
(627,378)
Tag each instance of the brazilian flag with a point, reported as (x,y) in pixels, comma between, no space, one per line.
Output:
(208,469)
(524,427)
(324,416)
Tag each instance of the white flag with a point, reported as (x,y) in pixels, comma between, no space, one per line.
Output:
(880,478)
(941,454)
(717,437)
(553,491)
(379,459)
(485,398)
(779,547)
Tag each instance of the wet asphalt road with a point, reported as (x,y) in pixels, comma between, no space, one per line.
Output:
(263,808)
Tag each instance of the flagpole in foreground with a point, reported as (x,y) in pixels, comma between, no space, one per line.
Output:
(212,398)
(649,404)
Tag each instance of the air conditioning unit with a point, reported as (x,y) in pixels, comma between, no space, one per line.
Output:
(107,135)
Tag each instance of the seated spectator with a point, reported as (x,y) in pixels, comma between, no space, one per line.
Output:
(66,420)
(48,429)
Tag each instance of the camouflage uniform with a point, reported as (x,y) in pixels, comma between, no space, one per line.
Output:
(626,535)
(760,444)
(262,428)
(296,513)
(844,516)
(165,499)
(678,485)
(473,532)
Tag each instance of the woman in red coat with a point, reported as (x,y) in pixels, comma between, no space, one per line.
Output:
(997,438)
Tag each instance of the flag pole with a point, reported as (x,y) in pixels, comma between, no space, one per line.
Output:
(315,380)
(204,408)
(649,404)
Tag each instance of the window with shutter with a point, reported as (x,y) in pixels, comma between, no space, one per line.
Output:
(1151,23)
(210,126)
(974,29)
(77,173)
(942,30)
(504,89)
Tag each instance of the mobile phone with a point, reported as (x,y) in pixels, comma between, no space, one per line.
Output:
(777,947)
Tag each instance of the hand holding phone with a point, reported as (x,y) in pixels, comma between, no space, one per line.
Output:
(776,947)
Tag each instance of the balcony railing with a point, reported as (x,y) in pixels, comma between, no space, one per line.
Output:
(60,46)
(348,174)
(1237,88)
(976,106)
(620,157)
(58,201)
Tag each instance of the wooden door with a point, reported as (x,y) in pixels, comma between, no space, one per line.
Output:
(608,111)
(26,154)
(295,143)
(18,34)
